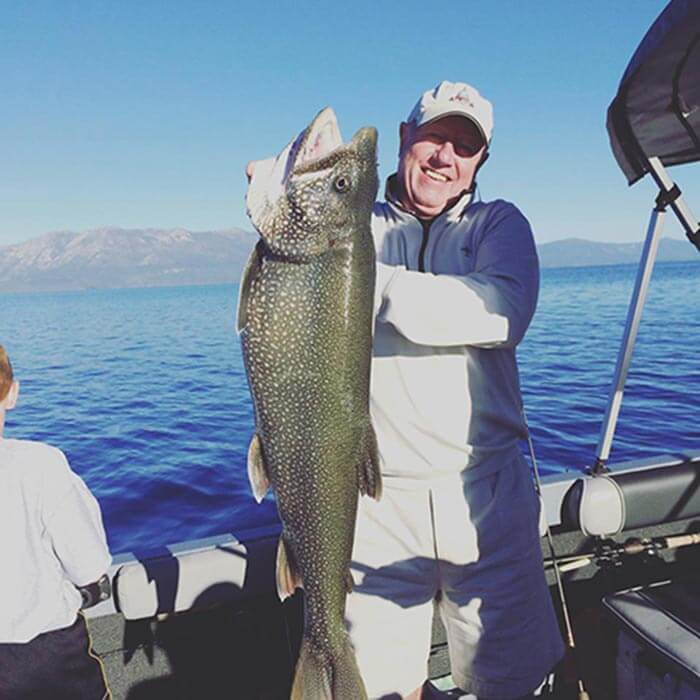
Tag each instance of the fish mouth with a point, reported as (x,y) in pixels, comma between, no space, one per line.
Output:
(315,150)
(320,145)
(317,141)
(269,178)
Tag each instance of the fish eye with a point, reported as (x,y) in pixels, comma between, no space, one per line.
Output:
(341,183)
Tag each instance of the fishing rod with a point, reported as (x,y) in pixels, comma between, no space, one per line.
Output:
(611,553)
(570,639)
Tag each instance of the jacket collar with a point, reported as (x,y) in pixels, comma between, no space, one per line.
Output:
(451,215)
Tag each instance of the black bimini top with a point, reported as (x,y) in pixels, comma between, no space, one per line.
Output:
(656,111)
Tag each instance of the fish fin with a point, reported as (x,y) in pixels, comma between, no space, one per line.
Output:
(370,472)
(257,471)
(349,583)
(288,576)
(249,274)
(329,676)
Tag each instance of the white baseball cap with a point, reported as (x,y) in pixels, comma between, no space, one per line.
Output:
(454,98)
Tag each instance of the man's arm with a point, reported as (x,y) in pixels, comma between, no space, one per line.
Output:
(489,307)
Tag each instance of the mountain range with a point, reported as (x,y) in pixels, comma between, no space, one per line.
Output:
(578,252)
(114,257)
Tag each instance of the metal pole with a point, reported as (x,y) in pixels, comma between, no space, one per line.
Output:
(669,195)
(680,208)
(634,315)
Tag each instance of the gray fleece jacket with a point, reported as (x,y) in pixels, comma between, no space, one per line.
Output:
(453,300)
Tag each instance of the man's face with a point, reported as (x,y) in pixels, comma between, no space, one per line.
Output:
(437,162)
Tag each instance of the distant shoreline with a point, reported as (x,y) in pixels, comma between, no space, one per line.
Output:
(614,264)
(115,258)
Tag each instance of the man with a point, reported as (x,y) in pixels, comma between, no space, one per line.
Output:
(51,542)
(457,285)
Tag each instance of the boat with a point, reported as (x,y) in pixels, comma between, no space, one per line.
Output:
(201,619)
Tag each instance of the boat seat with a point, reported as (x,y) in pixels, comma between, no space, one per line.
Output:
(194,579)
(658,649)
(607,504)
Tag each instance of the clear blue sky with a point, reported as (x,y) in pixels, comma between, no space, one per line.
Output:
(144,114)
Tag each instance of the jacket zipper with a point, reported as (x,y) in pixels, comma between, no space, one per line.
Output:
(424,245)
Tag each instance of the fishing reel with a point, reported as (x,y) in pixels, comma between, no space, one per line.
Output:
(609,553)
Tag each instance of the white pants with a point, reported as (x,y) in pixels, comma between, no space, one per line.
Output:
(472,543)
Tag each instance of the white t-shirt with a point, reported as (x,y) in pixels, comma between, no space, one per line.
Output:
(51,540)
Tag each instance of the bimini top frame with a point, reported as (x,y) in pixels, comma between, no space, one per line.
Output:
(654,121)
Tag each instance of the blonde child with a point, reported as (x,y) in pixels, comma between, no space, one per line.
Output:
(54,558)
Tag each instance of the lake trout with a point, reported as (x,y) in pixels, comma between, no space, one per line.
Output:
(305,323)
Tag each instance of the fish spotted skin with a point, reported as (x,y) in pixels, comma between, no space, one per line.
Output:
(305,321)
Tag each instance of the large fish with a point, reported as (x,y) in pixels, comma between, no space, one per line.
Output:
(305,322)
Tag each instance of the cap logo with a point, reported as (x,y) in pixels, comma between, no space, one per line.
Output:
(461,97)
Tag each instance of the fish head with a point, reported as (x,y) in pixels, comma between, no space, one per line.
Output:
(313,195)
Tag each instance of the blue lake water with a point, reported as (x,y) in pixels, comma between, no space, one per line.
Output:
(144,389)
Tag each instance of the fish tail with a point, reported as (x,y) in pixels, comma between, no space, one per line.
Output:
(322,676)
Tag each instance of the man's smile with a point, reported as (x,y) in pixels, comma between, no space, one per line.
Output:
(434,175)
